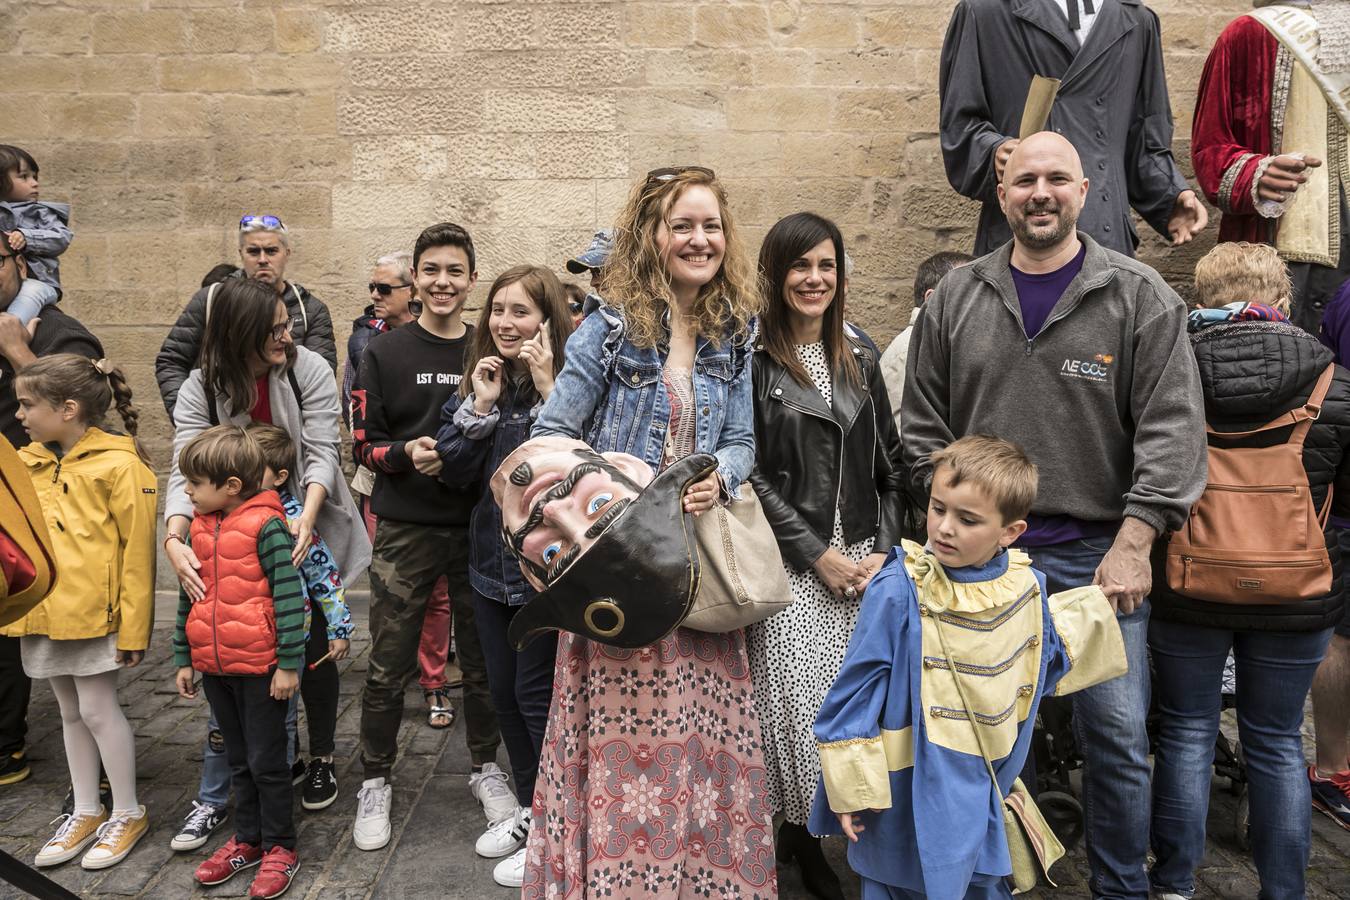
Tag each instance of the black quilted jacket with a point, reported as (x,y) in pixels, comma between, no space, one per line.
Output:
(1251,372)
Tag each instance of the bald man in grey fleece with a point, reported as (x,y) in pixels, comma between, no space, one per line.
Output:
(1080,355)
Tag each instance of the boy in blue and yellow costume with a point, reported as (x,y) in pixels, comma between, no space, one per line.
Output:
(903,773)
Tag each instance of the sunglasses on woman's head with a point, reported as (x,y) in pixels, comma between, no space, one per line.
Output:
(264,221)
(670,172)
(384,290)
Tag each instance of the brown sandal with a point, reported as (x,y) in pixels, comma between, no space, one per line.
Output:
(441,712)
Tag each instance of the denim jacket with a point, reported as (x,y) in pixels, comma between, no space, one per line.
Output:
(471,448)
(610,393)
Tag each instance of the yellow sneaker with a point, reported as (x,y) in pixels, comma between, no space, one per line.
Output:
(73,834)
(116,838)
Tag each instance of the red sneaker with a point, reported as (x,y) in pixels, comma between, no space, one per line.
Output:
(228,861)
(279,866)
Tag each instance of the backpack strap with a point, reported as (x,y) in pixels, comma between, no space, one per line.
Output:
(1300,417)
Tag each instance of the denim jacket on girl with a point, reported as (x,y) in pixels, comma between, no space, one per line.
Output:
(471,448)
(611,394)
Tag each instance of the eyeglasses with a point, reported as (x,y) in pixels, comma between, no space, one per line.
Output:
(285,328)
(248,222)
(384,290)
(670,172)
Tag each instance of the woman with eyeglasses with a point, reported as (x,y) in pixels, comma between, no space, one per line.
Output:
(252,371)
(651,778)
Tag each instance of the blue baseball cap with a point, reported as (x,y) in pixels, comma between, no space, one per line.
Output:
(595,255)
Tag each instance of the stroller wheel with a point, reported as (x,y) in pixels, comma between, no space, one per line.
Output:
(1242,822)
(1064,814)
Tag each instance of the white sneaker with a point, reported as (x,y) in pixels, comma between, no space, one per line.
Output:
(371,831)
(506,836)
(510,872)
(490,788)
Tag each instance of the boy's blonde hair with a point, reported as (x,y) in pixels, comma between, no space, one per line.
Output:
(221,453)
(277,447)
(999,468)
(1241,272)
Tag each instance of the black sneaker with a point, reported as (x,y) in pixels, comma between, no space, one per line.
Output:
(197,827)
(321,787)
(14,768)
(298,771)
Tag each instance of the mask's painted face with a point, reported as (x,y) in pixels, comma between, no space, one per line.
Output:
(557,497)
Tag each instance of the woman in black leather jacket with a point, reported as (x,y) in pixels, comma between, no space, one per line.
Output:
(827,472)
(1254,366)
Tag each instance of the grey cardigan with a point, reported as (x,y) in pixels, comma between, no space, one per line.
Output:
(1105,400)
(313,427)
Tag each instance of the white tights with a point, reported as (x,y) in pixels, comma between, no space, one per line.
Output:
(94,727)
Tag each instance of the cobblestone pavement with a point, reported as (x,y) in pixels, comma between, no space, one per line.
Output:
(435,819)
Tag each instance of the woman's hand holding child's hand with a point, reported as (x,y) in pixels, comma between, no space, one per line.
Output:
(186,683)
(284,683)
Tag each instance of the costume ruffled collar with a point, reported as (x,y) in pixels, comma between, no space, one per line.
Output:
(968,589)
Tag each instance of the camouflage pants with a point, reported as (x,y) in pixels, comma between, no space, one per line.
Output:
(405,564)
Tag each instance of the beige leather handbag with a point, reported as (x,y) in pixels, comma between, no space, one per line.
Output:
(741,575)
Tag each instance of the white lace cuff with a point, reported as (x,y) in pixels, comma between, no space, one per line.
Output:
(1269,209)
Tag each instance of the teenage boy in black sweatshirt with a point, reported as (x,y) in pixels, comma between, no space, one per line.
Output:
(406,375)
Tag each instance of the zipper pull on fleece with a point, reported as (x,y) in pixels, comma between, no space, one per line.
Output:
(1029,346)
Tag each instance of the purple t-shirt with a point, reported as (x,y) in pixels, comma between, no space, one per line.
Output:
(1038,294)
(1335,333)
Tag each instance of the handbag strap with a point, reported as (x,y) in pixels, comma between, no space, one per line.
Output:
(970,712)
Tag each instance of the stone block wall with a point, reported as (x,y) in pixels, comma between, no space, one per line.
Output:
(163,121)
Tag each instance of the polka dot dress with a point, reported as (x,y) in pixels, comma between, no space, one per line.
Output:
(795,656)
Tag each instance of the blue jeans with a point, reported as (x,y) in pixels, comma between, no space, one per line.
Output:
(214,789)
(1274,672)
(34,296)
(1109,725)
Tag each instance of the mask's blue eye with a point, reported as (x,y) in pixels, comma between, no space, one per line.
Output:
(551,551)
(598,501)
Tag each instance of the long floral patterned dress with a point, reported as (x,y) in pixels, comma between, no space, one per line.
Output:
(651,781)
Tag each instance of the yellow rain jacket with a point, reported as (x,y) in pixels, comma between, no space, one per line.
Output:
(99,505)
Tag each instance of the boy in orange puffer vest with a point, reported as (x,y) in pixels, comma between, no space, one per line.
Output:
(247,638)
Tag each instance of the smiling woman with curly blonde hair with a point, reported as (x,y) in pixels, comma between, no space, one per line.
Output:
(639,280)
(660,371)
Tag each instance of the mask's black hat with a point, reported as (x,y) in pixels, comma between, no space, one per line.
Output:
(636,583)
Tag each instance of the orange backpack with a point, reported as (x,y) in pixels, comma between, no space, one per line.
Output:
(1254,535)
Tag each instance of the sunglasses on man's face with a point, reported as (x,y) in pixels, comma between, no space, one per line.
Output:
(384,290)
(670,172)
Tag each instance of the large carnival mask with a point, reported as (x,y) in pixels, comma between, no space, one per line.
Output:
(609,547)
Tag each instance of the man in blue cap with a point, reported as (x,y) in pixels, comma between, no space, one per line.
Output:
(592,260)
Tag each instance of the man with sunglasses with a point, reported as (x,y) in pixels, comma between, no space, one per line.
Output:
(52,332)
(264,251)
